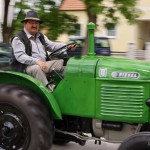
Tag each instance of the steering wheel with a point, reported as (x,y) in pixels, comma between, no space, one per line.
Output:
(61,50)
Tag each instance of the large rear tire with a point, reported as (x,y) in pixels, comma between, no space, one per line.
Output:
(139,141)
(25,123)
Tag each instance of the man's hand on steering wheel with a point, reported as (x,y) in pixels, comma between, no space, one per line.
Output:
(72,47)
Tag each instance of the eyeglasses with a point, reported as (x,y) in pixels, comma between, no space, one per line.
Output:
(33,22)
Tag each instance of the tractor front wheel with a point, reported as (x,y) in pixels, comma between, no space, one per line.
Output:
(24,121)
(138,141)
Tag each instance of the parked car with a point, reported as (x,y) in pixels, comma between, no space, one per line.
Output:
(102,46)
(5,54)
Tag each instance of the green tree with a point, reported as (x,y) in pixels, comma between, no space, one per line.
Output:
(16,24)
(126,8)
(55,22)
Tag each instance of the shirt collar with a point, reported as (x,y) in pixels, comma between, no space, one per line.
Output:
(29,35)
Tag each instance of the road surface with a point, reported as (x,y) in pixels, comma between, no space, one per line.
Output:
(88,146)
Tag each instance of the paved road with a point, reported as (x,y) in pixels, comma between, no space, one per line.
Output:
(88,146)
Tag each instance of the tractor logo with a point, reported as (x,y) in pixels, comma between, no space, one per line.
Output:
(102,72)
(125,75)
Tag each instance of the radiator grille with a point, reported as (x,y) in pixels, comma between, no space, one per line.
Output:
(122,101)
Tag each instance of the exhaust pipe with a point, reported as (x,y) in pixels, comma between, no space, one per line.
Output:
(91,28)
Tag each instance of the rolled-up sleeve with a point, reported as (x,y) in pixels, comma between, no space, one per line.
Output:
(53,45)
(20,54)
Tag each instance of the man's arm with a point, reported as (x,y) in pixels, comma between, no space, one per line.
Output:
(56,45)
(53,45)
(20,54)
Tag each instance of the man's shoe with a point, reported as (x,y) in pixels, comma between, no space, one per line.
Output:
(51,87)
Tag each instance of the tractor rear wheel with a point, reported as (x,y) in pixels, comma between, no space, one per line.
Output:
(25,123)
(139,141)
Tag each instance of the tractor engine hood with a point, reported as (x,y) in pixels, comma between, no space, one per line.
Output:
(122,69)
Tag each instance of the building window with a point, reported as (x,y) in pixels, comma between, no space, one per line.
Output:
(77,28)
(111,32)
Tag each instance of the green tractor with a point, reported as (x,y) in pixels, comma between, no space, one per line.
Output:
(100,98)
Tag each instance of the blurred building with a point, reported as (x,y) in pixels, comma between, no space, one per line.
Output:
(121,35)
